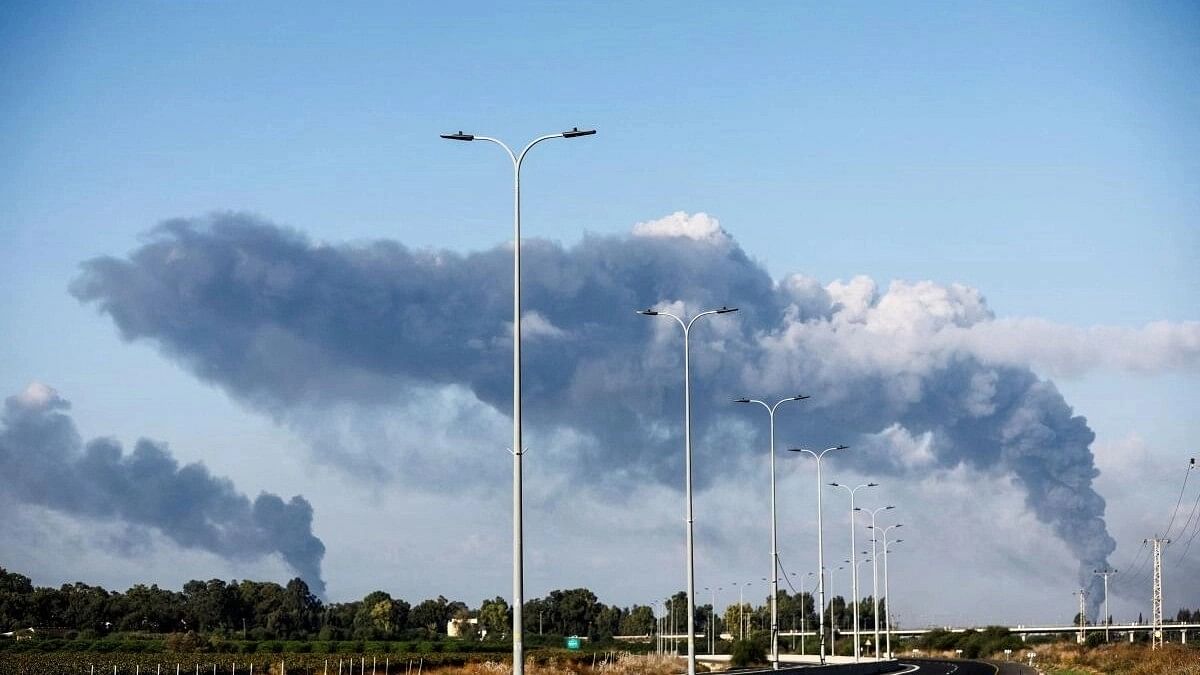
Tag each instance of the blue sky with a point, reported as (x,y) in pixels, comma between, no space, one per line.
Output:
(1046,154)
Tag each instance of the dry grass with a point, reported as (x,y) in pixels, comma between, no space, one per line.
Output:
(1119,659)
(618,663)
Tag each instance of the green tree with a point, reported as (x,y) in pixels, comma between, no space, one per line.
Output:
(639,620)
(495,618)
(432,615)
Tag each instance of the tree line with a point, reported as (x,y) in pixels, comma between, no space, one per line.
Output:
(259,610)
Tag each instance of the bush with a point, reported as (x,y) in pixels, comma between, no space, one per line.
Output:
(181,642)
(747,652)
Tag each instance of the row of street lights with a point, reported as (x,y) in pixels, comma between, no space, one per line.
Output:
(517,449)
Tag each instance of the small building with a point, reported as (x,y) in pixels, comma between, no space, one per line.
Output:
(455,627)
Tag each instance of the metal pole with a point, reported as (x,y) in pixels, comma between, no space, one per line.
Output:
(803,616)
(517,448)
(875,573)
(854,561)
(518,629)
(821,557)
(774,539)
(854,575)
(875,582)
(687,439)
(887,602)
(1106,573)
(774,557)
(687,443)
(832,617)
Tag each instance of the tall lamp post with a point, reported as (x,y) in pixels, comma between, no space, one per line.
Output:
(774,541)
(875,571)
(887,599)
(803,613)
(687,448)
(866,558)
(517,449)
(853,557)
(820,537)
(1106,573)
(712,620)
(833,617)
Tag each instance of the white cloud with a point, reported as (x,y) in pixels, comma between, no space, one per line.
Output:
(698,226)
(1071,351)
(37,395)
(534,326)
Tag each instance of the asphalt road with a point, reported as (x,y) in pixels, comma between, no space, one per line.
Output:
(932,667)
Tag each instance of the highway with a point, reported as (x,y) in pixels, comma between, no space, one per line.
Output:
(934,667)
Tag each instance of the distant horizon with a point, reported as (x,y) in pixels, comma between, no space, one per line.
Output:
(259,313)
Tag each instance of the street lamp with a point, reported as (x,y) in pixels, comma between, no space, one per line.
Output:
(887,602)
(712,620)
(875,571)
(657,631)
(853,557)
(687,445)
(1106,573)
(517,448)
(803,614)
(887,599)
(820,536)
(833,614)
(774,542)
(741,609)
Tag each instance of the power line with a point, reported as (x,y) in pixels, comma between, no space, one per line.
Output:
(1182,489)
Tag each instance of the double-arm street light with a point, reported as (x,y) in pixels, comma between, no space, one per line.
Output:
(853,557)
(712,620)
(803,612)
(1106,573)
(820,538)
(741,609)
(774,541)
(517,449)
(833,617)
(687,446)
(887,598)
(875,571)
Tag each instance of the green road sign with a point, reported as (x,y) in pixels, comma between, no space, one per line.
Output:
(573,642)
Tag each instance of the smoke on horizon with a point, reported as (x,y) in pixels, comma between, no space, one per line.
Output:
(289,326)
(44,462)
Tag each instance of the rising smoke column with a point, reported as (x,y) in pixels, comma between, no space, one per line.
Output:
(291,327)
(44,462)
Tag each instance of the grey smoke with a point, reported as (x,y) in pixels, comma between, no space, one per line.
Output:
(44,462)
(287,325)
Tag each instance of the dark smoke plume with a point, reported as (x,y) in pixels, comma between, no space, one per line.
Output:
(44,462)
(285,324)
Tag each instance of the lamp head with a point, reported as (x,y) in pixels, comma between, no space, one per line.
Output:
(460,136)
(726,310)
(741,400)
(576,132)
(872,484)
(800,397)
(647,312)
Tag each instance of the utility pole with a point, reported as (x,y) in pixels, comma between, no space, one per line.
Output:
(1106,573)
(1156,611)
(1082,593)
